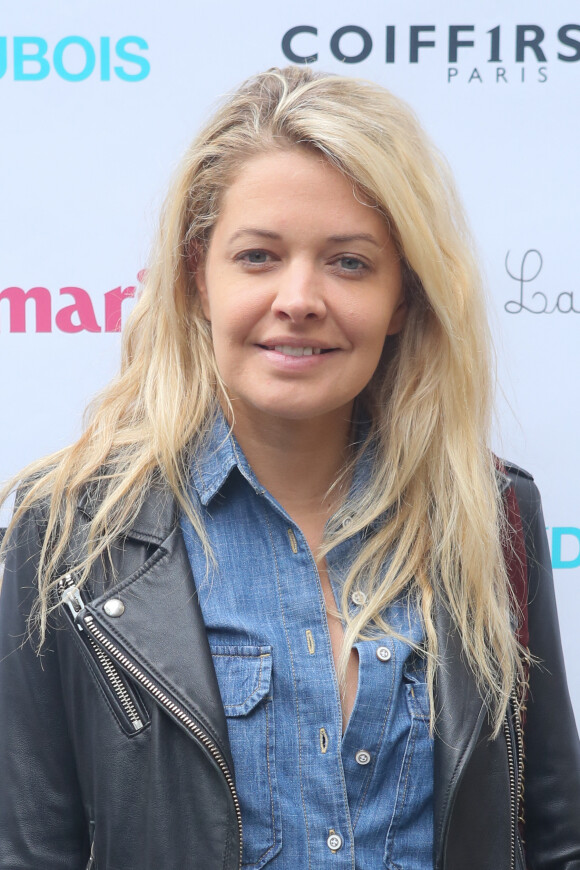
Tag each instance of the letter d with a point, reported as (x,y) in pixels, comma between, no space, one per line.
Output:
(38,57)
(558,532)
(3,55)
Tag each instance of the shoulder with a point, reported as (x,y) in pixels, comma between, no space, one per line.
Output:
(524,486)
(28,520)
(515,471)
(528,504)
(154,510)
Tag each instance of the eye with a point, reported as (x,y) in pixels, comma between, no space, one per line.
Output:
(349,263)
(254,258)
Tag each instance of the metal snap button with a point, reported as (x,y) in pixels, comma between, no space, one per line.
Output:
(362,756)
(114,607)
(383,653)
(334,841)
(358,597)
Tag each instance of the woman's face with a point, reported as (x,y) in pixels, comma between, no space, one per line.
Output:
(301,284)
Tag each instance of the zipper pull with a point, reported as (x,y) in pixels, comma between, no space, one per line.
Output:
(71,596)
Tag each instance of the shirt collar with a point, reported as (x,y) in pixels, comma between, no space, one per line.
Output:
(220,453)
(213,463)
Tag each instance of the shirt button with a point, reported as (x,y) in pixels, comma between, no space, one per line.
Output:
(334,841)
(362,756)
(383,653)
(347,521)
(358,597)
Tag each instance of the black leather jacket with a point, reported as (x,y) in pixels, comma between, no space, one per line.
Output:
(114,743)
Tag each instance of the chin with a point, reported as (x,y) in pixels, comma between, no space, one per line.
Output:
(297,411)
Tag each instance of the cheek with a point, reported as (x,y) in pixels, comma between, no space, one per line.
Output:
(367,327)
(233,325)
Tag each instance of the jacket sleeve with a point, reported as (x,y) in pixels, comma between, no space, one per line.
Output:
(42,822)
(552,748)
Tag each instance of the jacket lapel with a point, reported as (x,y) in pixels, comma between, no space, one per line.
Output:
(460,713)
(161,628)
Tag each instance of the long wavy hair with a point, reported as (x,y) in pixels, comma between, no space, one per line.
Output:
(433,481)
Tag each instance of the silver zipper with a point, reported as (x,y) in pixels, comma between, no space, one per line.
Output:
(519,755)
(520,759)
(91,863)
(513,790)
(175,710)
(71,597)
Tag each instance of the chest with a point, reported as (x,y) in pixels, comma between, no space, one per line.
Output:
(297,738)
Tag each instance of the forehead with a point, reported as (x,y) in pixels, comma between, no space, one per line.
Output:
(298,185)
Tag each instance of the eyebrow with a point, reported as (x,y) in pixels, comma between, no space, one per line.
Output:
(253,231)
(268,234)
(355,237)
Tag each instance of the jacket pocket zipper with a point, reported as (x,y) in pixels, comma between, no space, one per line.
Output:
(71,597)
(91,862)
(177,712)
(514,745)
(519,754)
(512,775)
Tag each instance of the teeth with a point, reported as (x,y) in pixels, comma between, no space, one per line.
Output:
(288,350)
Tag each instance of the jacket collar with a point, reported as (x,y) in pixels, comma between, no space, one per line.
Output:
(503,481)
(155,518)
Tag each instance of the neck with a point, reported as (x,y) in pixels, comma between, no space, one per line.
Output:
(297,461)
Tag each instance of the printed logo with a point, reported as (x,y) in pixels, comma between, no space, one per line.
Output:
(74,58)
(565,547)
(33,310)
(535,301)
(471,54)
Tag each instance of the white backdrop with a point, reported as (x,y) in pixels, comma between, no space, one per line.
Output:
(99,99)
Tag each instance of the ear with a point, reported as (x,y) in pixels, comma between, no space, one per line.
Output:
(399,316)
(197,262)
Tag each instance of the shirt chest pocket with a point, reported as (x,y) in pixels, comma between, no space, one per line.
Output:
(244,676)
(410,832)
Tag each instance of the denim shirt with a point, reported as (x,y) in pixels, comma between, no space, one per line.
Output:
(310,796)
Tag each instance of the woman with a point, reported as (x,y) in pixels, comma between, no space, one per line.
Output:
(272,585)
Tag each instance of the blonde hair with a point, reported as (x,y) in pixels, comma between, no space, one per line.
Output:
(433,481)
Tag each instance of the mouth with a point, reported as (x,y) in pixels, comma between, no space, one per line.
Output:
(291,350)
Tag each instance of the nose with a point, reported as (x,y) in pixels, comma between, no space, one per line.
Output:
(299,294)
